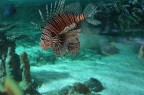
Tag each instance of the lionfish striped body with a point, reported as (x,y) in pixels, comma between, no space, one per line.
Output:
(60,32)
(57,25)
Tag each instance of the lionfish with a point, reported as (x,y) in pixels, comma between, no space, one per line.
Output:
(61,29)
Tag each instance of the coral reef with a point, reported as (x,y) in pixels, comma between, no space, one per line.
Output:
(25,67)
(15,68)
(23,79)
(27,85)
(122,17)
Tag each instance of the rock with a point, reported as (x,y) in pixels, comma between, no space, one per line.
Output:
(77,89)
(90,87)
(94,85)
(109,49)
(65,90)
(81,88)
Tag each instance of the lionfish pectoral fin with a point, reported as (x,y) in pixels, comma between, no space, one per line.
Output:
(45,45)
(57,49)
(72,35)
(77,30)
(74,46)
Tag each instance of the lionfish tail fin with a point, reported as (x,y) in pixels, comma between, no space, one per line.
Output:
(89,12)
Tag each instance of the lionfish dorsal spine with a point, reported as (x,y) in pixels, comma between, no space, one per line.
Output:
(55,6)
(37,26)
(47,12)
(60,7)
(54,9)
(51,10)
(41,15)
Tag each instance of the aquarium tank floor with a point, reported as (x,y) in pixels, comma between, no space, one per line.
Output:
(120,74)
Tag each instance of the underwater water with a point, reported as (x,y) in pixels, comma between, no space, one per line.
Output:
(65,47)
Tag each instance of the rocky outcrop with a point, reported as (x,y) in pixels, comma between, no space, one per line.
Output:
(15,68)
(90,87)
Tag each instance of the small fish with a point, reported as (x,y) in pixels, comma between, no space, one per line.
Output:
(60,32)
(9,10)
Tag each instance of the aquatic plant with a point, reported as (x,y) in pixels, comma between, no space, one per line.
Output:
(11,87)
(25,66)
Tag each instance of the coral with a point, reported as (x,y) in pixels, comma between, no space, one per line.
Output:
(122,17)
(27,85)
(8,63)
(2,68)
(25,67)
(9,71)
(16,69)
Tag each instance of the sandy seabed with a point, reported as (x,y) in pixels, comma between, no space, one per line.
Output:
(120,74)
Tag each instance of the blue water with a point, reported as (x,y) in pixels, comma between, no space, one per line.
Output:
(111,52)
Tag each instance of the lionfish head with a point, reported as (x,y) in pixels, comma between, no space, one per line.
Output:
(45,44)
